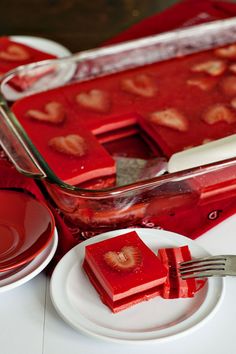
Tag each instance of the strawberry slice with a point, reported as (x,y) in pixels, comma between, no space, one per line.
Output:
(170,118)
(219,113)
(53,113)
(228,52)
(211,67)
(228,85)
(14,52)
(127,259)
(204,83)
(95,100)
(141,85)
(71,145)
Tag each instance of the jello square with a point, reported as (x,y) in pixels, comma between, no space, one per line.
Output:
(72,152)
(124,270)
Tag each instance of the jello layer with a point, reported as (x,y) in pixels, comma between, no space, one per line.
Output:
(124,266)
(175,286)
(134,290)
(72,151)
(177,104)
(124,303)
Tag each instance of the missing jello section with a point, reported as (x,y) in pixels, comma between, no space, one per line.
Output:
(83,151)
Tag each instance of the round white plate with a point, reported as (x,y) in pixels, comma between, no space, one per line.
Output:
(32,269)
(43,44)
(78,303)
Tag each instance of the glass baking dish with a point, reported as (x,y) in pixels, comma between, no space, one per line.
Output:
(147,203)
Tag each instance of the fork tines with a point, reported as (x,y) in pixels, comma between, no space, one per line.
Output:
(203,267)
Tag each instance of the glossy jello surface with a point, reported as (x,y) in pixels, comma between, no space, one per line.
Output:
(124,266)
(176,104)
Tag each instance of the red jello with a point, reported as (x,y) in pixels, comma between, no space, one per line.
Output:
(124,271)
(13,54)
(72,151)
(175,286)
(174,105)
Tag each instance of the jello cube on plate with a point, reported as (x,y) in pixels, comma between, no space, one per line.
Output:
(124,271)
(175,286)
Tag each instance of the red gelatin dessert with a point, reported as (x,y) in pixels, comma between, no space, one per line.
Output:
(72,151)
(174,286)
(124,271)
(174,105)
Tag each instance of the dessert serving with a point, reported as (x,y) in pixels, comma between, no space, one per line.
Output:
(125,271)
(143,100)
(173,105)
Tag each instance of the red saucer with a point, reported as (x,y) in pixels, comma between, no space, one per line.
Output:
(26,228)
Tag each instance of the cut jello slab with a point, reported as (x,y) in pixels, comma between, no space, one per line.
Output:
(175,105)
(72,151)
(124,270)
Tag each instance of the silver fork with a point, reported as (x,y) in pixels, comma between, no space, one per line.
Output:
(209,267)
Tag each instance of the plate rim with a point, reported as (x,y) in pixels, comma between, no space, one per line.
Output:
(12,263)
(58,49)
(35,267)
(70,258)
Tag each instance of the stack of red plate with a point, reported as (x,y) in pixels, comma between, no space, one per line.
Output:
(28,238)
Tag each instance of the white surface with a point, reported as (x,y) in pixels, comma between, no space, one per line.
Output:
(31,269)
(46,45)
(220,149)
(158,319)
(28,316)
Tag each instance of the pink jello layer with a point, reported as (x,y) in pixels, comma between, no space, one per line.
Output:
(125,303)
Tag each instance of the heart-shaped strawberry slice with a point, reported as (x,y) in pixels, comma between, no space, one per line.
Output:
(127,259)
(228,52)
(71,144)
(219,113)
(53,113)
(141,85)
(95,100)
(170,118)
(14,52)
(211,67)
(203,83)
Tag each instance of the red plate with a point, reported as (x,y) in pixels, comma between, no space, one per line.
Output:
(26,228)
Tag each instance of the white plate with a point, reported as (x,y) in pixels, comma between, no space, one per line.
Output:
(159,319)
(64,72)
(46,45)
(31,269)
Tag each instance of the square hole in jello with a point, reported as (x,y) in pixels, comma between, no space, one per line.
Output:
(123,270)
